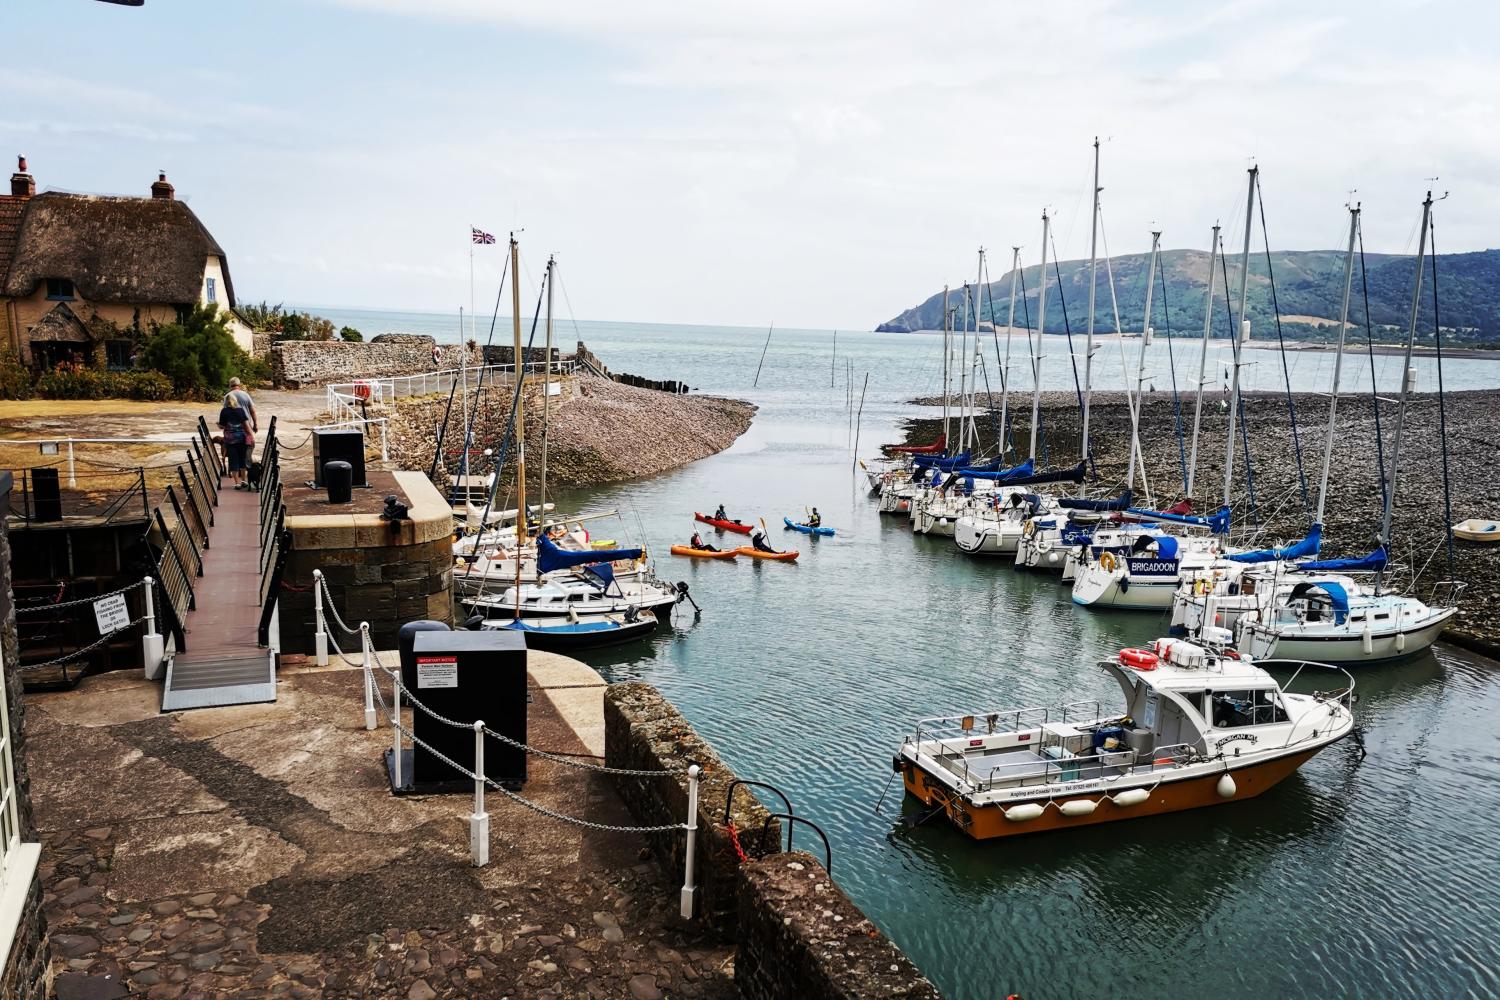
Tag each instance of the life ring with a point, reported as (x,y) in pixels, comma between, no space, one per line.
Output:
(1140,659)
(1107,562)
(1030,529)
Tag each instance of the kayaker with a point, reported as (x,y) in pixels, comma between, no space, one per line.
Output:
(698,543)
(719,514)
(815,520)
(758,540)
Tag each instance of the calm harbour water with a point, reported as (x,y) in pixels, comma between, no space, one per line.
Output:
(1370,877)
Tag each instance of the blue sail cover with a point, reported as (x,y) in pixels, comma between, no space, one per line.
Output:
(1338,597)
(997,475)
(550,558)
(1166,547)
(1308,546)
(1014,477)
(1120,502)
(945,462)
(1217,522)
(1372,563)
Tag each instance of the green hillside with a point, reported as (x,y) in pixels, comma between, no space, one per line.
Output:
(1308,285)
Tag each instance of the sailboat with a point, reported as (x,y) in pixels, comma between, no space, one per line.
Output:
(1333,620)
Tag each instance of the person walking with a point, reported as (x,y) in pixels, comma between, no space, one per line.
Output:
(243,400)
(236,423)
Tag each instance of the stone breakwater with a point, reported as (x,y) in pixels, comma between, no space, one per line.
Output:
(601,431)
(1355,497)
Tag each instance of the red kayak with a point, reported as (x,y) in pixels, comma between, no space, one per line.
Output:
(918,449)
(735,526)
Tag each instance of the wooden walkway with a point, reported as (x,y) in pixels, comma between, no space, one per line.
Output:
(224,664)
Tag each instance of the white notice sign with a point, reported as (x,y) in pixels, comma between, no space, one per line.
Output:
(111,613)
(437,672)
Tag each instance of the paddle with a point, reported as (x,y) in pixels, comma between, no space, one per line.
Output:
(765,533)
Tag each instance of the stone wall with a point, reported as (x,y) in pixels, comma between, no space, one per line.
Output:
(504,354)
(375,573)
(800,936)
(260,345)
(26,975)
(297,363)
(591,361)
(644,731)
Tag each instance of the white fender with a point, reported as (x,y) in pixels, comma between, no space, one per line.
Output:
(1400,642)
(1078,807)
(1131,797)
(1023,812)
(1226,787)
(1365,641)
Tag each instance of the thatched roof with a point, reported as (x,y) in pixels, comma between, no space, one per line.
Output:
(61,324)
(10,227)
(138,250)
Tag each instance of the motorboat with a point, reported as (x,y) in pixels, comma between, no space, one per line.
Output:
(590,593)
(578,632)
(1202,725)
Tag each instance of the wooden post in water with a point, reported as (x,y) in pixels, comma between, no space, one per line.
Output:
(762,356)
(833,364)
(855,465)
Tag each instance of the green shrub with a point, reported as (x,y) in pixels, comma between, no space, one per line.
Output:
(352,335)
(197,355)
(71,382)
(15,378)
(148,385)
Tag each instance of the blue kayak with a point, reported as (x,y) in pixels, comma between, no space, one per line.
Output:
(806,529)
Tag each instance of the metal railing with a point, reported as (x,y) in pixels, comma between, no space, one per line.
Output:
(344,399)
(108,502)
(273,535)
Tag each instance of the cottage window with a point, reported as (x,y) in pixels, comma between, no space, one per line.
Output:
(212,294)
(60,289)
(117,355)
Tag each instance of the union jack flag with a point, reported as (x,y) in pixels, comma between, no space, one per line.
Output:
(482,238)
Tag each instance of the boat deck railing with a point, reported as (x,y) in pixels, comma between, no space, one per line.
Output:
(1063,770)
(966,726)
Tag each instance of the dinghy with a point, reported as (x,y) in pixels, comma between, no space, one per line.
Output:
(1477,529)
(583,633)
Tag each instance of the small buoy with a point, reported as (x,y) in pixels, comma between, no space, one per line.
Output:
(1400,642)
(1021,813)
(1365,641)
(1131,797)
(1226,787)
(1078,807)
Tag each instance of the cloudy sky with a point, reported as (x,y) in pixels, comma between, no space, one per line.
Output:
(817,164)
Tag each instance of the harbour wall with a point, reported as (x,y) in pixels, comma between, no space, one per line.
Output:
(299,363)
(797,934)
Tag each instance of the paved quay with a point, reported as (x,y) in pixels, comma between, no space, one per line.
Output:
(256,851)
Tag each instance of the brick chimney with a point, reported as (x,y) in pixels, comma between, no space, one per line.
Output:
(22,184)
(161,189)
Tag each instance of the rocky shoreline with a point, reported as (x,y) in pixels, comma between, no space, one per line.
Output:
(1352,518)
(600,431)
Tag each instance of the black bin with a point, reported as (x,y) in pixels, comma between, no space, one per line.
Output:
(340,479)
(46,495)
(463,676)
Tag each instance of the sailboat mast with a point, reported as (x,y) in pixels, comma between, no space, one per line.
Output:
(947,368)
(520,369)
(1088,357)
(963,381)
(1407,378)
(547,388)
(1238,337)
(975,358)
(1036,350)
(1338,361)
(1138,403)
(1010,324)
(1208,322)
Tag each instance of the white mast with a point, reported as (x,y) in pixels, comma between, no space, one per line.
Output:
(1036,351)
(1408,377)
(963,383)
(1010,323)
(1338,361)
(1140,369)
(1208,322)
(974,358)
(1088,358)
(947,368)
(547,388)
(1238,337)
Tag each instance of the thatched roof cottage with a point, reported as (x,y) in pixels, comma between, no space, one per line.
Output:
(83,277)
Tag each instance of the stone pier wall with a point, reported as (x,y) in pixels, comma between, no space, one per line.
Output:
(297,363)
(644,731)
(800,936)
(376,573)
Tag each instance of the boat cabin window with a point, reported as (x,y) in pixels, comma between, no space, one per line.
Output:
(1231,709)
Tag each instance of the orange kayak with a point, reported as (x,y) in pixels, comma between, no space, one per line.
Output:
(754,553)
(692,553)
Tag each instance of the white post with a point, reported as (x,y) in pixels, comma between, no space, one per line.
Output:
(396,729)
(153,648)
(689,888)
(479,823)
(72,470)
(384,453)
(364,637)
(320,630)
